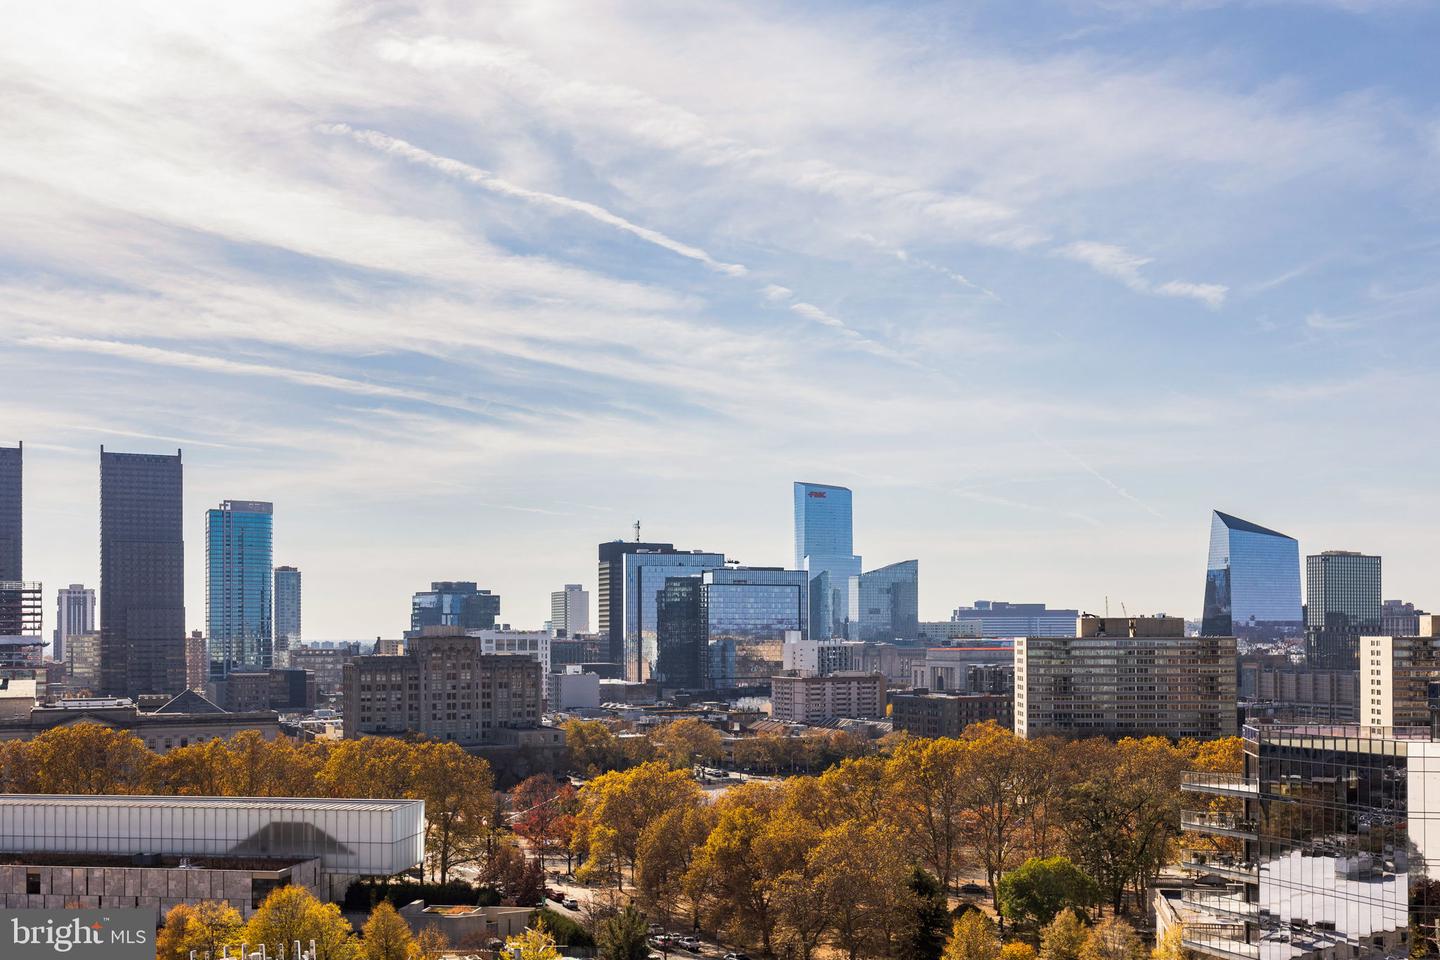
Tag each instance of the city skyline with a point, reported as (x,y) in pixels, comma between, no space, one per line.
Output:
(1043,282)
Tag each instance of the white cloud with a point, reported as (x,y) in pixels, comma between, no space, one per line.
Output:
(1120,264)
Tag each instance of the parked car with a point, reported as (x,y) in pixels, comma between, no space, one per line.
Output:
(737,956)
(972,890)
(690,943)
(570,903)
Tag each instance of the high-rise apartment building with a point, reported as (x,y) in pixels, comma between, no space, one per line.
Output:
(1252,583)
(817,699)
(1125,677)
(825,544)
(1342,604)
(74,613)
(454,603)
(11,511)
(287,613)
(239,605)
(142,574)
(444,686)
(21,608)
(1324,853)
(890,602)
(1395,676)
(631,576)
(570,611)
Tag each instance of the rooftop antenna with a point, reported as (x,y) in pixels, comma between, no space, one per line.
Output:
(637,531)
(1107,604)
(1123,611)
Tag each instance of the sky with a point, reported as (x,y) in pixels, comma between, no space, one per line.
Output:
(466,289)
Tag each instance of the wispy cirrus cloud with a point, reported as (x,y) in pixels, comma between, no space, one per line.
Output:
(1120,264)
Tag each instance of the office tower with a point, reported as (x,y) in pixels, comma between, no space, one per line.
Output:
(21,608)
(748,611)
(74,613)
(683,660)
(570,611)
(197,662)
(1325,851)
(82,662)
(239,606)
(534,644)
(287,613)
(824,543)
(996,618)
(890,602)
(444,686)
(454,603)
(1125,677)
(142,574)
(11,514)
(631,577)
(1252,583)
(1400,619)
(1342,604)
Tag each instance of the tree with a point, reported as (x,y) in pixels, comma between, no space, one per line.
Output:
(1063,937)
(665,853)
(1171,945)
(292,913)
(1034,892)
(207,928)
(683,743)
(430,944)
(1002,782)
(593,747)
(861,875)
(543,813)
(368,767)
(927,923)
(1017,950)
(617,807)
(534,944)
(89,758)
(621,936)
(1112,939)
(460,807)
(973,938)
(929,786)
(386,935)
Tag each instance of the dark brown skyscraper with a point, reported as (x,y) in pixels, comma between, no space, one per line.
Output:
(10,526)
(142,575)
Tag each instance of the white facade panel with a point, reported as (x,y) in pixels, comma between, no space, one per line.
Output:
(362,837)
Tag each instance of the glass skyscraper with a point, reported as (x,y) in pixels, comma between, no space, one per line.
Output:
(11,464)
(454,603)
(142,574)
(682,661)
(825,543)
(239,605)
(1342,605)
(890,602)
(287,613)
(644,576)
(747,612)
(1252,583)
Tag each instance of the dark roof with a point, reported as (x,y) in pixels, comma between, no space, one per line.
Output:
(189,702)
(1235,523)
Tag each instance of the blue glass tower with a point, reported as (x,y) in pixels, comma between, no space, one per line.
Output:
(890,602)
(1252,582)
(825,544)
(238,581)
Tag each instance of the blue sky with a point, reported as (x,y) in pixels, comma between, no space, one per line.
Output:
(466,289)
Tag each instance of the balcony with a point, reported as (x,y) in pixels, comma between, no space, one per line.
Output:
(1218,824)
(1224,904)
(1197,937)
(1220,784)
(1220,865)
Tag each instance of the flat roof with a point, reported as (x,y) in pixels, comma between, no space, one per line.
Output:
(304,803)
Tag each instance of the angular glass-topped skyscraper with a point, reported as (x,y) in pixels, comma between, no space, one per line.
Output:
(1252,583)
(825,544)
(238,578)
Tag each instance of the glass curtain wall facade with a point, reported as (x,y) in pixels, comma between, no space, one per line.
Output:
(1321,849)
(239,604)
(825,543)
(748,611)
(142,574)
(890,602)
(454,603)
(683,663)
(287,612)
(1343,593)
(11,471)
(1252,583)
(644,577)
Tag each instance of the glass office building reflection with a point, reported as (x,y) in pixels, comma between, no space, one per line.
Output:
(1343,589)
(1324,848)
(238,580)
(747,612)
(825,544)
(644,576)
(890,602)
(1252,583)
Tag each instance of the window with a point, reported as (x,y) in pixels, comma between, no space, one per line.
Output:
(32,881)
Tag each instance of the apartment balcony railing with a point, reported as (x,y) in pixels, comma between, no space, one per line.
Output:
(1228,904)
(1218,940)
(1220,784)
(1220,864)
(1219,824)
